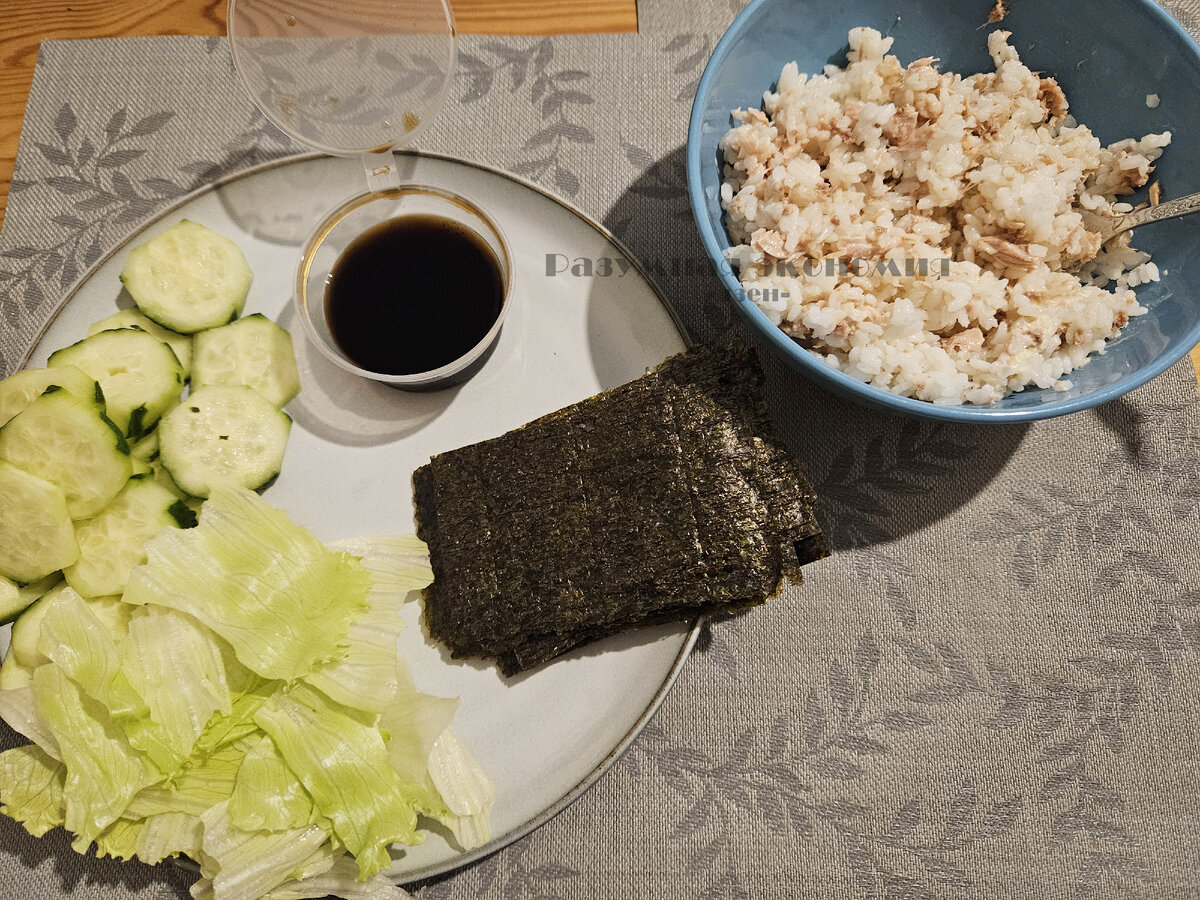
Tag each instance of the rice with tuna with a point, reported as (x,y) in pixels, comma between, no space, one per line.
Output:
(921,231)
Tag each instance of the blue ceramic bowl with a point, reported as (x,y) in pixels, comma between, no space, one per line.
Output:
(1108,55)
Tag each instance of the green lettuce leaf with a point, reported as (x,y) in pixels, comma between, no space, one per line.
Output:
(83,649)
(18,710)
(119,840)
(152,839)
(208,779)
(31,788)
(268,587)
(268,796)
(340,880)
(246,865)
(103,771)
(365,676)
(175,665)
(412,723)
(465,789)
(238,723)
(343,765)
(398,563)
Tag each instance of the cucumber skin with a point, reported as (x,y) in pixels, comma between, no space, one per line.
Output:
(93,356)
(184,515)
(111,431)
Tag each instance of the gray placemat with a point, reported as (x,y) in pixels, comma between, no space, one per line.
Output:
(990,690)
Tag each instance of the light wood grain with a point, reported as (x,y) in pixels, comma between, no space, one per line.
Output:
(26,23)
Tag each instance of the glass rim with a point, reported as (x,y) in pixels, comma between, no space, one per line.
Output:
(239,65)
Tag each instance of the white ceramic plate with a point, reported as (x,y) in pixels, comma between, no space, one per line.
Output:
(546,736)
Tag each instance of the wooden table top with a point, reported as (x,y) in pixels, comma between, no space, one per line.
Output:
(28,22)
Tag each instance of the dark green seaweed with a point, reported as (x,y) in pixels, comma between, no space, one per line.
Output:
(660,500)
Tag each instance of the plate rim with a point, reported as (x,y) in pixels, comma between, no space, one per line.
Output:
(583,785)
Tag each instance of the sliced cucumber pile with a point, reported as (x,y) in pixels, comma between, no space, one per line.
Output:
(223,433)
(188,278)
(126,431)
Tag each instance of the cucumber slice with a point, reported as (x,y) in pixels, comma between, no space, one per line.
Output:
(114,613)
(72,444)
(146,449)
(188,278)
(19,390)
(36,534)
(28,629)
(253,351)
(13,675)
(181,344)
(113,541)
(223,433)
(16,598)
(139,374)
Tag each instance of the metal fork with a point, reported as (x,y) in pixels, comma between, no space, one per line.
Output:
(1109,227)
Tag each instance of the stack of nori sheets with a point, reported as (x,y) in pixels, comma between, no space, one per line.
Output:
(660,500)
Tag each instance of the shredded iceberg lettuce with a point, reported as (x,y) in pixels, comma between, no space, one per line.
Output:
(269,588)
(268,796)
(33,788)
(252,713)
(343,765)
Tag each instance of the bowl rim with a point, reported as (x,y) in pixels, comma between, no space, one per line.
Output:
(838,381)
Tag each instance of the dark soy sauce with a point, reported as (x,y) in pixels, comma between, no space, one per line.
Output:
(412,294)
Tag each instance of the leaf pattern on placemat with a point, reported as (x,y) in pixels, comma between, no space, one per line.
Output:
(101,193)
(689,53)
(513,875)
(559,96)
(89,175)
(865,485)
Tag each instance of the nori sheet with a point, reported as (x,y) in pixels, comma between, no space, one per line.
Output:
(660,500)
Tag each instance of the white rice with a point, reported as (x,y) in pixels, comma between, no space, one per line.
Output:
(953,204)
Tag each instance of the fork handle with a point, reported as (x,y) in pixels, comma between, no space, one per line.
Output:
(1168,209)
